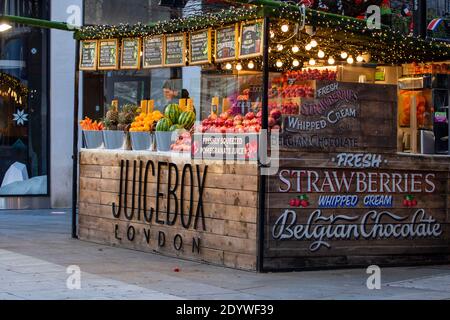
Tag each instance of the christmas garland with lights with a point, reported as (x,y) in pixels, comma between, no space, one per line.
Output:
(12,84)
(336,32)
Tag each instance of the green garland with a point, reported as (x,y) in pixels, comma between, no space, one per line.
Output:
(192,23)
(335,32)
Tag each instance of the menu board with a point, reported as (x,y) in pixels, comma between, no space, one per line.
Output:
(200,47)
(130,54)
(88,55)
(108,59)
(227,43)
(175,50)
(251,39)
(153,52)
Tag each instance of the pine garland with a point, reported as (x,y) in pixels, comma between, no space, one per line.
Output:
(334,31)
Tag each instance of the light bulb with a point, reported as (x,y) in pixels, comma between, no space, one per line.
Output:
(295,63)
(285,28)
(279,63)
(295,49)
(312,62)
(331,60)
(228,66)
(344,55)
(350,60)
(279,47)
(359,58)
(308,47)
(321,54)
(239,67)
(251,65)
(313,43)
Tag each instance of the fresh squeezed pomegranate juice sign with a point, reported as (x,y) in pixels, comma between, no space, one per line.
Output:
(357,199)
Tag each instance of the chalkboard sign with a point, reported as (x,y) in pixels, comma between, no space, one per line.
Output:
(130,54)
(227,43)
(88,55)
(175,50)
(251,39)
(153,52)
(200,47)
(107,58)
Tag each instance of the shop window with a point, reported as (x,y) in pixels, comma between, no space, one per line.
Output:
(24,106)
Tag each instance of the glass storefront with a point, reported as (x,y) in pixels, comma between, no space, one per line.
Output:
(24,141)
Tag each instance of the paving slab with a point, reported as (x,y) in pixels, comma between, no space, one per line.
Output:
(36,249)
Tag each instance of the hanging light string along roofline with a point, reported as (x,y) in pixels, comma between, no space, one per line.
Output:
(332,31)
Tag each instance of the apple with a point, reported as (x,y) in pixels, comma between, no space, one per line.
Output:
(229,123)
(212,117)
(237,123)
(238,117)
(224,115)
(254,121)
(259,114)
(206,122)
(230,130)
(223,129)
(246,123)
(219,122)
(250,116)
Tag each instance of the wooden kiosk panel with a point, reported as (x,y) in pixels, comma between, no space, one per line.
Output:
(358,204)
(213,213)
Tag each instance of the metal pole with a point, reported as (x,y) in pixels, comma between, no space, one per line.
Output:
(75,142)
(265,125)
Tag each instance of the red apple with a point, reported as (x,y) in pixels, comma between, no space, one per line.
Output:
(223,129)
(212,117)
(246,123)
(224,115)
(219,122)
(229,123)
(259,114)
(238,117)
(237,123)
(250,116)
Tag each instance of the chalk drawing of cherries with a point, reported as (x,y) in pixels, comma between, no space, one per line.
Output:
(300,201)
(409,201)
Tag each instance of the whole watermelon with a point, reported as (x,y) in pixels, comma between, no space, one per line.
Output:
(163,124)
(172,112)
(186,119)
(175,127)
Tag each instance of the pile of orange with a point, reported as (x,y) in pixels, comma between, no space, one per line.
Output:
(145,121)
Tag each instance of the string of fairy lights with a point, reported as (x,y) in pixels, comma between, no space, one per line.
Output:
(326,39)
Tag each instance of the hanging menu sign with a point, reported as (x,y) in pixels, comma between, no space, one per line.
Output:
(130,54)
(153,52)
(251,39)
(174,50)
(88,55)
(227,43)
(200,47)
(108,59)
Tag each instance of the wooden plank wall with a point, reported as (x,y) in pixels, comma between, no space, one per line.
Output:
(375,129)
(230,201)
(296,254)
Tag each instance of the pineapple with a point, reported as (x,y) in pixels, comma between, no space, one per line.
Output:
(126,117)
(112,118)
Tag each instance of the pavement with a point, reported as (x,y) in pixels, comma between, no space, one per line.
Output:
(39,260)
